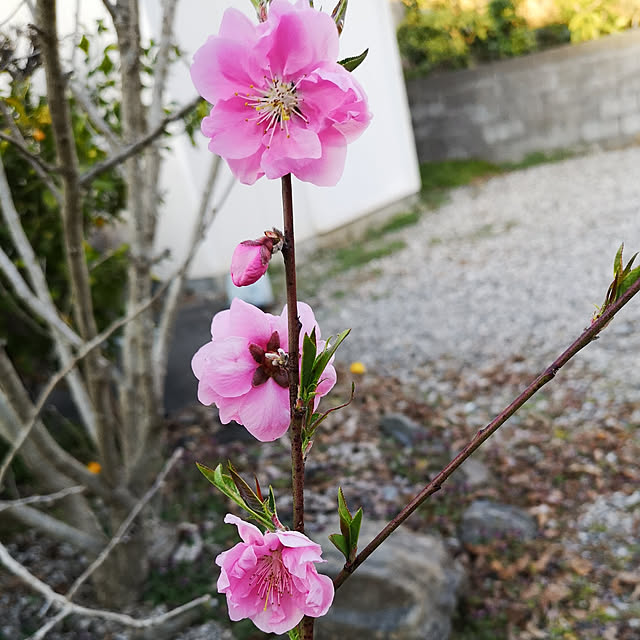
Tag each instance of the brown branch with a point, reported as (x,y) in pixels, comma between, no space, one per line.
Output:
(297,415)
(59,600)
(31,157)
(547,375)
(137,146)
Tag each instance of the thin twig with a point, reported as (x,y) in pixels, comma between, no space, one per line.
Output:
(33,158)
(124,527)
(42,172)
(169,309)
(587,336)
(44,499)
(82,352)
(61,601)
(137,146)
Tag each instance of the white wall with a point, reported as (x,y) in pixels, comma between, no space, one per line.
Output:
(381,166)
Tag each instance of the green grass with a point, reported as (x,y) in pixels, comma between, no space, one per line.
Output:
(359,254)
(449,174)
(536,158)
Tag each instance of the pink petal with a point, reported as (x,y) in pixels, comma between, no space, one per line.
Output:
(249,263)
(302,37)
(283,151)
(247,531)
(327,170)
(247,170)
(232,134)
(264,411)
(230,367)
(327,382)
(249,321)
(220,68)
(320,594)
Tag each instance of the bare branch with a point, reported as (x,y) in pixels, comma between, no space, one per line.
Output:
(161,69)
(42,303)
(137,146)
(42,632)
(59,600)
(86,349)
(32,158)
(34,303)
(44,499)
(99,123)
(203,220)
(55,528)
(124,527)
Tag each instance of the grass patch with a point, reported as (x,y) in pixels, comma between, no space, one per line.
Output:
(536,158)
(449,174)
(397,222)
(358,255)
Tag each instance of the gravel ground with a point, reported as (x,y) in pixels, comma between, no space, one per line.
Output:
(509,267)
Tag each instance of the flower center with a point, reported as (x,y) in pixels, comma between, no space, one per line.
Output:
(272,362)
(275,105)
(272,578)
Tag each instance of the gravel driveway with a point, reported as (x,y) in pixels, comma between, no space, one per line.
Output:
(510,268)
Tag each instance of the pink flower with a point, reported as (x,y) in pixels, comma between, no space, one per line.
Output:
(243,369)
(250,259)
(271,578)
(281,102)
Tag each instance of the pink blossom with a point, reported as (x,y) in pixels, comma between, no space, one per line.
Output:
(251,258)
(271,578)
(281,102)
(243,369)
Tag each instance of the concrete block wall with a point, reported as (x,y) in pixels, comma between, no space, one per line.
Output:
(570,97)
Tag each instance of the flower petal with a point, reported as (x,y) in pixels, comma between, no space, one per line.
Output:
(247,531)
(264,411)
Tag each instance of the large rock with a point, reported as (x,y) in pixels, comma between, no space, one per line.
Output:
(485,521)
(407,590)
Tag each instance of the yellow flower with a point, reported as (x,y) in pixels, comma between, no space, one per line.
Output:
(358,368)
(94,467)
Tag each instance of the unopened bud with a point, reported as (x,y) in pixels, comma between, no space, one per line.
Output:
(250,259)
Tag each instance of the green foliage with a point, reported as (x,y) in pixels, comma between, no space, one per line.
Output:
(441,35)
(449,174)
(27,341)
(591,19)
(506,36)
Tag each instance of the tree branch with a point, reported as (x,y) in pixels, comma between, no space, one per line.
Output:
(137,146)
(124,527)
(32,158)
(59,600)
(42,303)
(44,499)
(55,528)
(36,163)
(169,310)
(86,348)
(547,375)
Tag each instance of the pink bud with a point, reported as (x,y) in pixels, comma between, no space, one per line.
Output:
(251,258)
(249,262)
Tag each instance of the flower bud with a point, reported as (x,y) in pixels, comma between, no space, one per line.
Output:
(250,259)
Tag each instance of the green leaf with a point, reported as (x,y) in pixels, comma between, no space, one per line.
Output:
(309,350)
(329,350)
(84,44)
(106,65)
(340,544)
(628,280)
(247,493)
(226,485)
(352,63)
(294,634)
(338,14)
(354,533)
(617,262)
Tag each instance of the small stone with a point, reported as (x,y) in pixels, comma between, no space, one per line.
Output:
(400,427)
(475,472)
(484,521)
